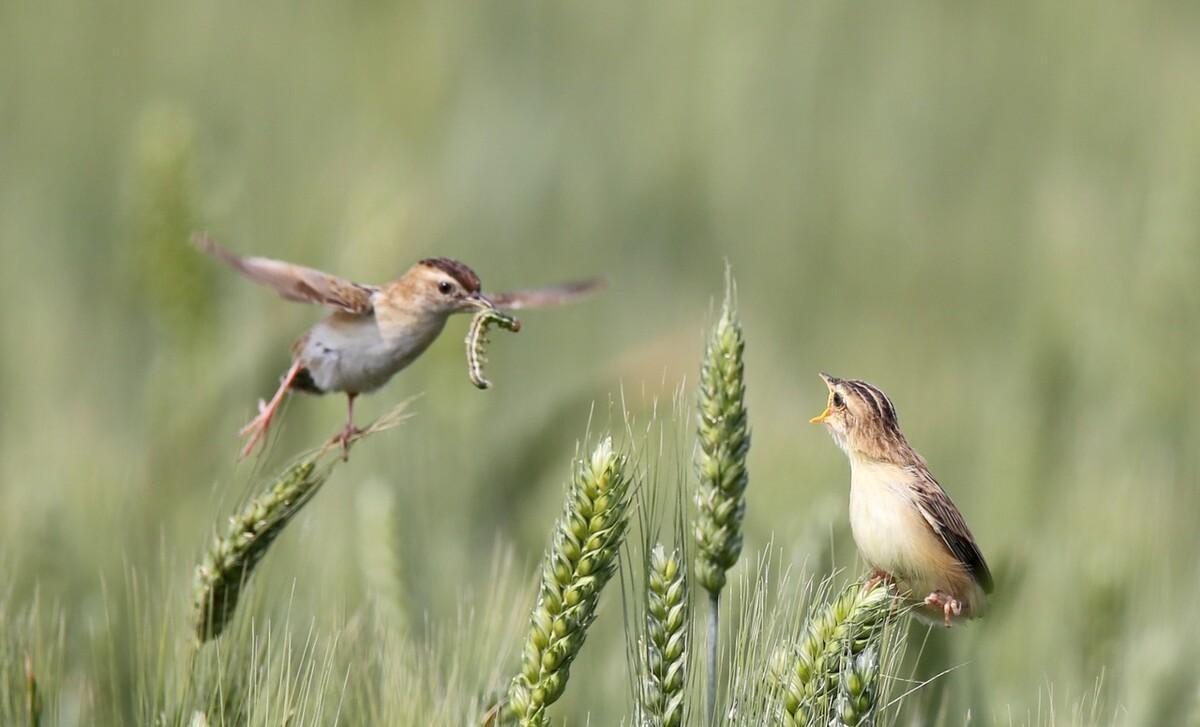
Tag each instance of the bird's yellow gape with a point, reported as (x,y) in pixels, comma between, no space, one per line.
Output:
(820,418)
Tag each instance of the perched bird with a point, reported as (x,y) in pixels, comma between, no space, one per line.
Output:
(374,330)
(903,522)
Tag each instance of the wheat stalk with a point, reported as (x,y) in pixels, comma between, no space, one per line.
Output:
(581,560)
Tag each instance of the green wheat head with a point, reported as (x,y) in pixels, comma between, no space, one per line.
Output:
(858,692)
(581,560)
(666,647)
(232,557)
(724,438)
(811,673)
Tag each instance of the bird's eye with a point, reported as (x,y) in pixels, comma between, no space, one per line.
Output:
(837,400)
(445,288)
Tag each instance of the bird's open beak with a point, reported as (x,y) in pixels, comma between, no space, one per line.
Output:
(820,418)
(480,301)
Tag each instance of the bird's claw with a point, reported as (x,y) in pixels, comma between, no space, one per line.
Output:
(257,431)
(345,438)
(259,425)
(877,577)
(949,605)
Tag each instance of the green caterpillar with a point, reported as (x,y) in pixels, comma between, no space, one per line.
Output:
(477,341)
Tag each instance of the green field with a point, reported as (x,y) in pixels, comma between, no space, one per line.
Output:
(990,210)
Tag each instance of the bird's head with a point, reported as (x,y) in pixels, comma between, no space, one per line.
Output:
(863,422)
(445,286)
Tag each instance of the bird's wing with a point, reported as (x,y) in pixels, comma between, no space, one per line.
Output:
(947,523)
(296,282)
(545,297)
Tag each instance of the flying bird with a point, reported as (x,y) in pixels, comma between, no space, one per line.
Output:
(905,525)
(373,331)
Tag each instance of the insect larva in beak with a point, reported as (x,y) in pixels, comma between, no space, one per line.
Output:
(477,341)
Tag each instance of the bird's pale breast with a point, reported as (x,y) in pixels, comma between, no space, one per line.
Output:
(893,536)
(353,354)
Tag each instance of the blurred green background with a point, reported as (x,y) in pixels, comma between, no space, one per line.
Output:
(991,210)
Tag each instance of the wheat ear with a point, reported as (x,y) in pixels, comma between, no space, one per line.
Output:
(581,560)
(724,438)
(810,673)
(857,694)
(231,558)
(666,645)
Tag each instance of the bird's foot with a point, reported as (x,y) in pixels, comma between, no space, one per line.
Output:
(346,437)
(878,576)
(949,605)
(257,429)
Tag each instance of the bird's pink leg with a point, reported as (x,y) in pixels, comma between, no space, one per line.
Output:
(950,605)
(349,431)
(878,576)
(257,428)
